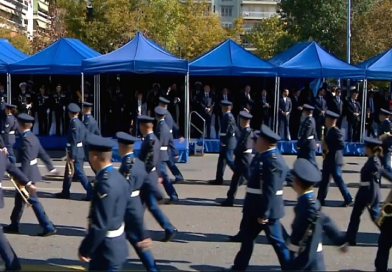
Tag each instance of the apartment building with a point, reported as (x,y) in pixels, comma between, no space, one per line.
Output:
(24,15)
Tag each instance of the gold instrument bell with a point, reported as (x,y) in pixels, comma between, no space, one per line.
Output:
(21,190)
(386,211)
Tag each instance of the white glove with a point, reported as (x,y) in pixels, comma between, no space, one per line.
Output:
(122,109)
(28,106)
(63,108)
(48,111)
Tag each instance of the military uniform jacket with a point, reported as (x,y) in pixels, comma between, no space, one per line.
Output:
(3,101)
(162,132)
(6,166)
(244,148)
(91,124)
(59,101)
(307,135)
(107,213)
(228,131)
(9,129)
(305,241)
(149,152)
(30,149)
(335,143)
(75,138)
(43,102)
(385,127)
(172,125)
(264,197)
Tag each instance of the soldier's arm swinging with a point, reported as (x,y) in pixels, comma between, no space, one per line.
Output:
(269,186)
(332,231)
(45,158)
(72,140)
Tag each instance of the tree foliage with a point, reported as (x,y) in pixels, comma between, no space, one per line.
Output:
(269,37)
(15,36)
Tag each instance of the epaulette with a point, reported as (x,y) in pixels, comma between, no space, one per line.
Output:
(105,175)
(129,160)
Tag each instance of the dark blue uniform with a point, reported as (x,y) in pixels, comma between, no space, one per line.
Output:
(264,199)
(228,142)
(105,243)
(6,252)
(305,242)
(306,140)
(150,193)
(76,137)
(332,164)
(384,241)
(8,132)
(243,158)
(162,132)
(385,128)
(30,149)
(91,128)
(3,102)
(134,170)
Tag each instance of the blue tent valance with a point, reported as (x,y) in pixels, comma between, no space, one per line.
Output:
(310,60)
(63,57)
(378,67)
(139,55)
(8,55)
(230,59)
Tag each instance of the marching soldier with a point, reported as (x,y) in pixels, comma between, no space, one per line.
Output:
(368,195)
(134,170)
(173,153)
(24,99)
(8,131)
(163,134)
(306,136)
(228,142)
(59,103)
(263,206)
(243,157)
(7,253)
(31,149)
(305,241)
(333,161)
(75,154)
(384,133)
(43,111)
(150,194)
(105,246)
(3,102)
(90,123)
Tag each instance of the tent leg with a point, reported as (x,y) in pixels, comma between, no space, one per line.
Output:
(275,121)
(363,113)
(98,112)
(186,117)
(9,93)
(82,91)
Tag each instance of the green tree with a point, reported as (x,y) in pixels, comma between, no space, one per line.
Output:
(269,37)
(15,36)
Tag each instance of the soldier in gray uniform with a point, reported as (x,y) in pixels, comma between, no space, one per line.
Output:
(306,136)
(8,131)
(91,125)
(31,149)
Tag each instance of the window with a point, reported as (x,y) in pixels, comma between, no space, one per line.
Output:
(227,25)
(226,11)
(227,0)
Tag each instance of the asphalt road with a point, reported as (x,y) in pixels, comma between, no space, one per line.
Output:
(203,225)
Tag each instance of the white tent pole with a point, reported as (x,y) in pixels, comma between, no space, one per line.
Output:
(363,112)
(98,114)
(275,121)
(186,118)
(82,91)
(9,88)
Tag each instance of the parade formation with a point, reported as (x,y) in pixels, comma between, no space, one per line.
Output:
(118,198)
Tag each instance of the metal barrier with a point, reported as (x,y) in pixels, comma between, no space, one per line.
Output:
(202,132)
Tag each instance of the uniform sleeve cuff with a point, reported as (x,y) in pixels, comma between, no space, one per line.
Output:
(29,183)
(53,170)
(292,247)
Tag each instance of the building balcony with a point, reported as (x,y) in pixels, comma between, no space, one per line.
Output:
(257,15)
(260,2)
(38,15)
(13,6)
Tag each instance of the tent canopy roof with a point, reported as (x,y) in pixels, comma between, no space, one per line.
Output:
(63,57)
(310,60)
(139,55)
(379,67)
(9,54)
(230,59)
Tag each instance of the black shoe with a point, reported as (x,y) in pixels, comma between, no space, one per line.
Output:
(169,235)
(19,268)
(347,204)
(11,229)
(172,201)
(215,182)
(227,203)
(235,239)
(178,181)
(352,243)
(47,233)
(86,199)
(322,203)
(62,196)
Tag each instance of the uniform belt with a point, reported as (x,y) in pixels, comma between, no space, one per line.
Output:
(163,148)
(153,169)
(11,132)
(135,193)
(79,144)
(364,183)
(250,150)
(68,144)
(311,137)
(34,162)
(258,191)
(171,131)
(320,247)
(224,134)
(1,185)
(115,233)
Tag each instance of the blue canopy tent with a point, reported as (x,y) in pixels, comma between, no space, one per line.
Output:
(8,54)
(378,67)
(230,59)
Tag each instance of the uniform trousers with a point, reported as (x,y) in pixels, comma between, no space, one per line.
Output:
(241,173)
(384,245)
(43,122)
(11,155)
(60,122)
(225,157)
(308,154)
(336,172)
(361,202)
(7,253)
(173,167)
(80,175)
(38,209)
(386,161)
(273,231)
(167,184)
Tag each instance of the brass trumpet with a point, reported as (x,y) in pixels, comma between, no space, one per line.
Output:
(69,166)
(323,144)
(22,191)
(386,211)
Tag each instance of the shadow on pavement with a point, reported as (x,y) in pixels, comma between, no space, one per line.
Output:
(191,201)
(74,196)
(205,267)
(35,229)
